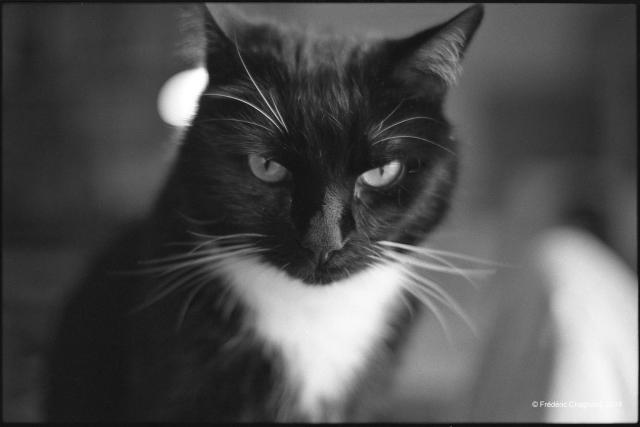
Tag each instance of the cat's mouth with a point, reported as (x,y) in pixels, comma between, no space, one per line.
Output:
(303,264)
(318,270)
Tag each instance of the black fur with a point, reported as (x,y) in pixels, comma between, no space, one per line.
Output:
(111,363)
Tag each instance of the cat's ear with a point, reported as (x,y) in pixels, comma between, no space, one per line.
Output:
(220,51)
(431,58)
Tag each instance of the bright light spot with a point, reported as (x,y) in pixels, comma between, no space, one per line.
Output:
(178,97)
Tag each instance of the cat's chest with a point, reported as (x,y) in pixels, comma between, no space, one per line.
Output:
(325,333)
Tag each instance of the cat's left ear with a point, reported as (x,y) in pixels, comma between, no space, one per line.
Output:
(432,57)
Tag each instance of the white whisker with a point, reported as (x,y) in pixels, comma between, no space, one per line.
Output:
(452,305)
(434,289)
(200,246)
(194,255)
(335,120)
(197,221)
(415,137)
(239,121)
(406,302)
(437,292)
(402,121)
(388,115)
(275,105)
(257,88)
(422,294)
(434,309)
(424,250)
(198,261)
(225,236)
(244,101)
(449,268)
(197,287)
(169,288)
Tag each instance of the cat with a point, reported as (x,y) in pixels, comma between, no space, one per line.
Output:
(270,282)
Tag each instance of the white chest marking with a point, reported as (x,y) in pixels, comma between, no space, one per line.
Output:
(325,333)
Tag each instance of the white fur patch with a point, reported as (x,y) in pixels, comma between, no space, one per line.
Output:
(325,333)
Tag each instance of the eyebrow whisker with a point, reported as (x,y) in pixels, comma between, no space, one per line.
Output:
(388,115)
(237,120)
(278,117)
(405,120)
(415,137)
(275,105)
(244,101)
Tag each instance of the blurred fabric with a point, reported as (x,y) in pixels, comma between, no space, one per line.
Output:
(546,111)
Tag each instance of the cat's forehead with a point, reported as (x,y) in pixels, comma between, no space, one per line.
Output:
(304,51)
(316,82)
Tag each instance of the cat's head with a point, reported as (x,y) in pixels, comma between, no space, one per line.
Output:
(323,145)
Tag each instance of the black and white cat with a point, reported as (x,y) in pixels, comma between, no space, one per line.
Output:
(271,282)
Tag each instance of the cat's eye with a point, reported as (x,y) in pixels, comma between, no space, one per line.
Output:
(267,170)
(384,175)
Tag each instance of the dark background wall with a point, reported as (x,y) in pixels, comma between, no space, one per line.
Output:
(546,107)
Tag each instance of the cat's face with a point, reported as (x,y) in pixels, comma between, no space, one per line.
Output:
(323,146)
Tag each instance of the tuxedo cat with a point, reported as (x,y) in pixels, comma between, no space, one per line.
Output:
(272,281)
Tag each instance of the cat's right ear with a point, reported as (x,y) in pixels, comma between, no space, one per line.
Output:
(220,52)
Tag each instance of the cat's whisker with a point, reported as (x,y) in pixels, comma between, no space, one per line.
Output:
(277,115)
(233,342)
(197,261)
(422,293)
(336,121)
(167,288)
(203,268)
(200,246)
(196,221)
(248,122)
(379,132)
(449,268)
(432,307)
(224,236)
(424,250)
(244,101)
(275,105)
(429,288)
(434,290)
(464,272)
(406,303)
(190,255)
(197,287)
(415,137)
(388,116)
(193,257)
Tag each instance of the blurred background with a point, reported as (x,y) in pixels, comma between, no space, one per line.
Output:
(546,109)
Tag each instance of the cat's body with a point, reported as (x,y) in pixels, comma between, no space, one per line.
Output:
(261,287)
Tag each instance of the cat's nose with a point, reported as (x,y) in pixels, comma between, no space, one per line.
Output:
(324,235)
(322,254)
(323,240)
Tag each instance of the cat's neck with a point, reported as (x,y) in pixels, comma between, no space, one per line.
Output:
(325,334)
